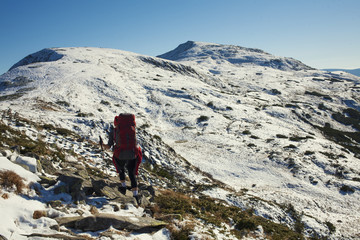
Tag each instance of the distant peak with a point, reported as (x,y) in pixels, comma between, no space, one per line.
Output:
(202,49)
(192,51)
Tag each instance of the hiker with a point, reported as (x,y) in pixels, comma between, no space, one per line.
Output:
(126,152)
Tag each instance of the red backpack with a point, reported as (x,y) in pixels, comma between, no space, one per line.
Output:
(125,137)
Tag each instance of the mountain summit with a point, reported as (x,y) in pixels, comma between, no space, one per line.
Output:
(239,56)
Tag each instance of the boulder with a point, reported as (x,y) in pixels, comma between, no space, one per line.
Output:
(75,185)
(47,181)
(110,191)
(103,221)
(29,162)
(46,166)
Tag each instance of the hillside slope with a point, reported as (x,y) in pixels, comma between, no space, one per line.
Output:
(273,128)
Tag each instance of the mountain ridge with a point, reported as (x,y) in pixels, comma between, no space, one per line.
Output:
(355,71)
(286,136)
(236,55)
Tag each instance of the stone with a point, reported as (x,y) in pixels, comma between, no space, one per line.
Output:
(76,186)
(6,153)
(47,181)
(55,203)
(2,237)
(30,162)
(47,166)
(54,236)
(93,210)
(103,221)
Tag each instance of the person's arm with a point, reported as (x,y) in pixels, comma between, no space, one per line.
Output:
(111,138)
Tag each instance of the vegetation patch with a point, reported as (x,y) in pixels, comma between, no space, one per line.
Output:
(210,104)
(254,137)
(350,117)
(298,138)
(11,138)
(307,153)
(10,179)
(11,97)
(106,103)
(202,119)
(345,139)
(246,132)
(291,146)
(81,114)
(347,189)
(49,106)
(61,131)
(63,103)
(288,105)
(332,155)
(217,212)
(314,93)
(159,171)
(331,227)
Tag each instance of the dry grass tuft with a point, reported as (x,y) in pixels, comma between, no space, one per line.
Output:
(5,196)
(10,179)
(39,214)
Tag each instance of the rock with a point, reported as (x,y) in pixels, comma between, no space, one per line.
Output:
(47,166)
(2,237)
(55,227)
(27,161)
(103,221)
(61,189)
(16,150)
(55,203)
(80,212)
(110,190)
(47,181)
(6,153)
(55,236)
(75,185)
(38,166)
(93,210)
(115,207)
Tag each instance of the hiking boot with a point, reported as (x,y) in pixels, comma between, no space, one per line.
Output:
(122,190)
(138,199)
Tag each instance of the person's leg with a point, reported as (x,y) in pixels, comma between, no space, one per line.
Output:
(131,167)
(120,167)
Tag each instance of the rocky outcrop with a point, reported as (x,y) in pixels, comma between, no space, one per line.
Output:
(103,221)
(74,184)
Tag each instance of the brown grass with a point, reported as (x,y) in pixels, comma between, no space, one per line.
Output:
(5,196)
(39,214)
(9,179)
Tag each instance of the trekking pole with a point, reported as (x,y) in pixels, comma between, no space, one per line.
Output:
(103,154)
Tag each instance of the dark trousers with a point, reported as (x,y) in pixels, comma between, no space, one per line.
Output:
(130,166)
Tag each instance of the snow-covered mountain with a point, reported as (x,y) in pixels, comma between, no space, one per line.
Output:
(273,129)
(208,54)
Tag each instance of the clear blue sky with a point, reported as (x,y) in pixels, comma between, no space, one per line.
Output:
(320,33)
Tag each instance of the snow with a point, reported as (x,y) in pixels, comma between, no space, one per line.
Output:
(17,210)
(239,82)
(28,176)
